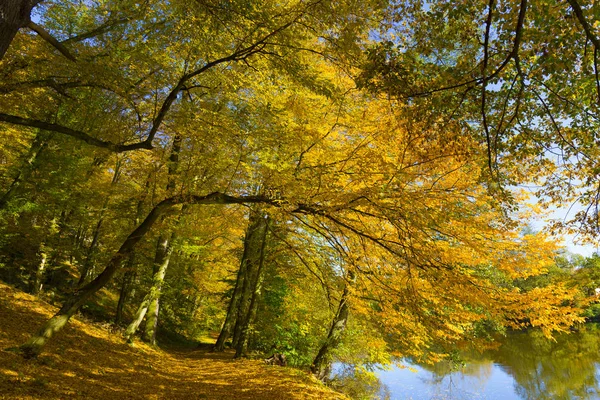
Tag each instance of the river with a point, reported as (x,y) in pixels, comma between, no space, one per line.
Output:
(525,366)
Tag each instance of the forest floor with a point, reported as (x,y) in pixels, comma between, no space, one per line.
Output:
(88,361)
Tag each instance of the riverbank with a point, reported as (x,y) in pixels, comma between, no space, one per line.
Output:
(89,361)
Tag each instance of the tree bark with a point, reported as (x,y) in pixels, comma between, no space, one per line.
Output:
(230,318)
(161,263)
(149,304)
(236,298)
(321,366)
(130,272)
(137,319)
(128,278)
(88,264)
(36,343)
(14,15)
(252,245)
(36,286)
(164,248)
(242,345)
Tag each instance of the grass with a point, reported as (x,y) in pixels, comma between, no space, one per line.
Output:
(89,361)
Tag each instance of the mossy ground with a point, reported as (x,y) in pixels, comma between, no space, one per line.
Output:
(89,361)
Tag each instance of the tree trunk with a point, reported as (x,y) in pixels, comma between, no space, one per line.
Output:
(128,278)
(88,264)
(242,345)
(14,15)
(236,298)
(164,248)
(37,146)
(91,251)
(130,273)
(57,252)
(321,366)
(36,287)
(137,319)
(252,245)
(233,306)
(161,263)
(149,335)
(36,343)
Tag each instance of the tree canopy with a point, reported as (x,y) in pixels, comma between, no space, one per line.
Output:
(322,179)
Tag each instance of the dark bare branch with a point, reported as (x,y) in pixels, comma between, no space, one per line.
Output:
(238,55)
(44,34)
(584,23)
(118,148)
(590,36)
(513,55)
(488,25)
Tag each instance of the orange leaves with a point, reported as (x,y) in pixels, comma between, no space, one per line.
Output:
(552,308)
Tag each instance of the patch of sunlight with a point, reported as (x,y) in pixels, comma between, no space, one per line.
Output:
(8,372)
(79,365)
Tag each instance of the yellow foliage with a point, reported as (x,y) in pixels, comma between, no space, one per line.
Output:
(118,371)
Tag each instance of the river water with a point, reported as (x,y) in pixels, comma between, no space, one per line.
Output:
(525,366)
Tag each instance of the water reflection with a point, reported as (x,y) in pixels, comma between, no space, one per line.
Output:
(543,369)
(526,366)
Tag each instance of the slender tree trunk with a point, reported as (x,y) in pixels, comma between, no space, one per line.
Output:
(36,287)
(233,306)
(130,273)
(164,249)
(14,15)
(36,343)
(88,264)
(161,263)
(149,334)
(198,302)
(37,146)
(91,251)
(236,298)
(242,345)
(252,245)
(321,365)
(137,319)
(242,309)
(128,278)
(57,241)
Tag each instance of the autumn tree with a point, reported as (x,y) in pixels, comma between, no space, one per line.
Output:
(519,77)
(104,101)
(14,15)
(378,212)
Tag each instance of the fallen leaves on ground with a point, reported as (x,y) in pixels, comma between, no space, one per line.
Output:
(88,361)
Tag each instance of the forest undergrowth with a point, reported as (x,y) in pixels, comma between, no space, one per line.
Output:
(92,362)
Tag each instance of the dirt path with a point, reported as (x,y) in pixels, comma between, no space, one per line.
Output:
(89,362)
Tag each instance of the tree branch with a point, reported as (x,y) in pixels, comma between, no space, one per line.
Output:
(118,148)
(105,27)
(513,55)
(488,25)
(238,55)
(44,34)
(584,23)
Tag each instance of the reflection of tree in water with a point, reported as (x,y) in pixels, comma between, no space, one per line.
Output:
(563,369)
(358,383)
(546,369)
(542,369)
(445,376)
